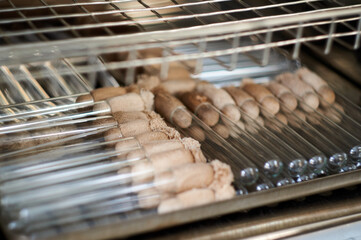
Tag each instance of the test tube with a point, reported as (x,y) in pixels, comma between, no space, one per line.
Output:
(64,189)
(45,136)
(29,124)
(48,106)
(93,193)
(52,131)
(58,212)
(90,213)
(61,158)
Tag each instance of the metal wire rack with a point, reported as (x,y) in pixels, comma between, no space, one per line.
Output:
(216,29)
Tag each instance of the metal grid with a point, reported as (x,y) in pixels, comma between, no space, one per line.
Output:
(215,30)
(72,16)
(116,36)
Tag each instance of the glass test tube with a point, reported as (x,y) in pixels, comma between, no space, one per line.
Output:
(48,106)
(58,212)
(70,188)
(61,158)
(44,137)
(91,193)
(50,117)
(36,135)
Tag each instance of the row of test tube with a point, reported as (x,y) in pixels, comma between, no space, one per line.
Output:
(52,149)
(274,153)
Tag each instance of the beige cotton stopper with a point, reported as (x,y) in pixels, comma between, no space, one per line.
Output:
(103,93)
(138,126)
(137,140)
(195,147)
(232,112)
(282,118)
(190,198)
(198,185)
(251,108)
(200,105)
(263,96)
(163,133)
(220,99)
(241,125)
(309,98)
(318,84)
(245,101)
(140,123)
(185,177)
(151,198)
(172,109)
(134,128)
(154,147)
(132,102)
(160,162)
(112,134)
(124,117)
(222,130)
(222,180)
(286,97)
(156,135)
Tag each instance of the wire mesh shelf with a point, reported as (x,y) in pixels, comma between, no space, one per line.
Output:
(74,28)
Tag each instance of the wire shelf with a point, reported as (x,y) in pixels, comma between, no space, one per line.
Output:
(47,30)
(58,40)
